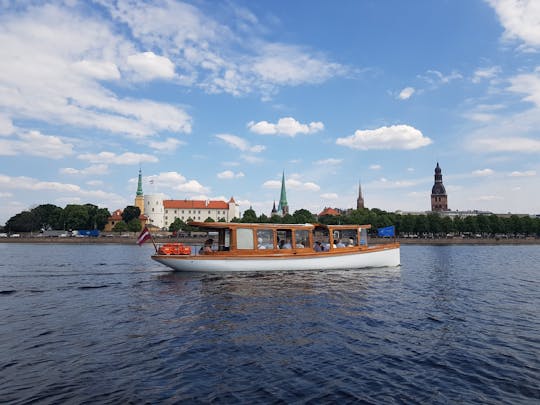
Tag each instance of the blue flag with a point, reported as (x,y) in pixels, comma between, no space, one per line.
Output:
(387,231)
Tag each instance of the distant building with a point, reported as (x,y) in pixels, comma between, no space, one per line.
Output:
(283,206)
(439,199)
(360,199)
(139,197)
(117,217)
(329,211)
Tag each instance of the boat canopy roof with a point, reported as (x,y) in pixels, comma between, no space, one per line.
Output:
(213,226)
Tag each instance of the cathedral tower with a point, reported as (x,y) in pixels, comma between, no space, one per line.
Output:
(283,207)
(139,197)
(360,199)
(439,199)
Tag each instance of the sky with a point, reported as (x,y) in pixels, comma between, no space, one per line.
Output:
(213,100)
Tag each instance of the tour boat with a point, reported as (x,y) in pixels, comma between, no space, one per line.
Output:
(274,247)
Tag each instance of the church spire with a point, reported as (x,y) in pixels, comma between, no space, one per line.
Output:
(360,199)
(283,207)
(139,184)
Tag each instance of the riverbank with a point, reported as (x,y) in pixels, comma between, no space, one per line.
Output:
(200,240)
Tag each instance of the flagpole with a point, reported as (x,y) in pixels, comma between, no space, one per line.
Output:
(153,241)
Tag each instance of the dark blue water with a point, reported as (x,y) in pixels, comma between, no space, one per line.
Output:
(105,324)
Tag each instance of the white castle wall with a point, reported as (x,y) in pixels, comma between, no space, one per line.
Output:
(153,209)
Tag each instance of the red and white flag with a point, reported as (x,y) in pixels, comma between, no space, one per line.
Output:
(144,236)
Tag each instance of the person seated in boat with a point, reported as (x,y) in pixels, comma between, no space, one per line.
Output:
(351,242)
(260,244)
(340,244)
(207,248)
(286,244)
(318,247)
(326,247)
(300,245)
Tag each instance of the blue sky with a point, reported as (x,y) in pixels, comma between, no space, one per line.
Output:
(217,99)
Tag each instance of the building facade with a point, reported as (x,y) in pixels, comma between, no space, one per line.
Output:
(139,196)
(360,199)
(439,199)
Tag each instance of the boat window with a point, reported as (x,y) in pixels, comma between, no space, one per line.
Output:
(284,238)
(363,237)
(265,239)
(224,239)
(244,238)
(349,237)
(301,239)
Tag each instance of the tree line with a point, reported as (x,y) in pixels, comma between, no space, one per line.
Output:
(89,216)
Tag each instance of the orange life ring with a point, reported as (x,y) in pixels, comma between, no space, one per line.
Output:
(174,249)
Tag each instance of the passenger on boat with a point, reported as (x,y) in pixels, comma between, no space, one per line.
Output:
(340,244)
(207,248)
(317,247)
(351,242)
(260,244)
(287,244)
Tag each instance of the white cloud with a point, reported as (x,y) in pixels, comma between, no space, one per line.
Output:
(329,196)
(485,73)
(6,195)
(95,183)
(192,186)
(293,184)
(527,173)
(520,19)
(240,143)
(149,66)
(329,161)
(229,174)
(375,167)
(517,144)
(406,93)
(483,172)
(285,126)
(90,170)
(174,181)
(169,144)
(101,70)
(34,143)
(127,158)
(435,78)
(393,137)
(6,125)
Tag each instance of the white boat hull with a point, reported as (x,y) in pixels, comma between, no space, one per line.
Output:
(383,257)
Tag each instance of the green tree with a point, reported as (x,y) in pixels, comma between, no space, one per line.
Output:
(177,225)
(76,217)
(120,226)
(48,216)
(101,217)
(134,225)
(209,220)
(249,216)
(303,216)
(130,212)
(22,222)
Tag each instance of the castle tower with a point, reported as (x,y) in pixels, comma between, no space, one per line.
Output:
(439,199)
(139,197)
(283,207)
(360,199)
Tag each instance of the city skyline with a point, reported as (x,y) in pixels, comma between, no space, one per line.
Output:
(213,101)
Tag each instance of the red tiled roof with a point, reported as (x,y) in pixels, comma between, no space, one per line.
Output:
(195,204)
(329,211)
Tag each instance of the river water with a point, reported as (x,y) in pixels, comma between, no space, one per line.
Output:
(105,324)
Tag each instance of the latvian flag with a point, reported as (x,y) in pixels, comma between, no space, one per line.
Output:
(144,236)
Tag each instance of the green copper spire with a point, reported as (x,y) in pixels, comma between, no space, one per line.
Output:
(139,184)
(283,206)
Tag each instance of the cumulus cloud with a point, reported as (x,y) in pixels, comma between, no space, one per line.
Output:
(393,137)
(285,126)
(240,143)
(520,19)
(229,174)
(149,66)
(174,181)
(483,172)
(329,196)
(375,167)
(127,158)
(97,69)
(406,93)
(168,145)
(6,125)
(34,143)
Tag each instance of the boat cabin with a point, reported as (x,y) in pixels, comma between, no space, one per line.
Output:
(295,238)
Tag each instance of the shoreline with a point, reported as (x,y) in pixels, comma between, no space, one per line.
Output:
(197,241)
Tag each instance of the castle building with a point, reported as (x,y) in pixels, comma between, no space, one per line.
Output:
(360,199)
(439,199)
(283,206)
